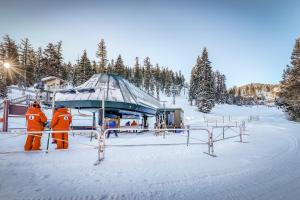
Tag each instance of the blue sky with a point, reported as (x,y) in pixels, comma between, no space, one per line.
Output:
(247,40)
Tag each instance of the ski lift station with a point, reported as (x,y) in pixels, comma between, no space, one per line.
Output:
(122,100)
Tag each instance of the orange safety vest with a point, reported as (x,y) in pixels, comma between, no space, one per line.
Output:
(36,119)
(61,120)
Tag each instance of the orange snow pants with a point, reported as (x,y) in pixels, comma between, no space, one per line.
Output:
(33,142)
(62,140)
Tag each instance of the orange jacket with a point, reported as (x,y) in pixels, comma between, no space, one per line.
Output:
(35,119)
(61,120)
(134,123)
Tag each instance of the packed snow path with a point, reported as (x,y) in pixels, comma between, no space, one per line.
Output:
(267,167)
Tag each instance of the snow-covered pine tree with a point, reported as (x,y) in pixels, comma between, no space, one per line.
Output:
(194,80)
(220,87)
(102,55)
(205,85)
(224,94)
(290,86)
(119,67)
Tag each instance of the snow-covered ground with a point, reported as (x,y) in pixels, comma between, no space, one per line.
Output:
(266,167)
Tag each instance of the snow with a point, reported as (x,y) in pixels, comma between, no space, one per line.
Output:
(265,167)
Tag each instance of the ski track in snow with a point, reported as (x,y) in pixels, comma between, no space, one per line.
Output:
(266,167)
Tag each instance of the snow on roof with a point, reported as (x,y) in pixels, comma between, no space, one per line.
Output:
(114,88)
(50,78)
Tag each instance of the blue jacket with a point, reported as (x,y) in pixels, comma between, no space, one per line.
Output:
(112,124)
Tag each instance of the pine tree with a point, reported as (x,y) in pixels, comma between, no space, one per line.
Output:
(53,60)
(38,67)
(9,54)
(194,81)
(3,74)
(290,86)
(94,67)
(138,76)
(157,79)
(58,59)
(49,64)
(67,72)
(102,55)
(84,69)
(119,67)
(31,63)
(205,84)
(27,61)
(147,74)
(168,83)
(110,66)
(220,87)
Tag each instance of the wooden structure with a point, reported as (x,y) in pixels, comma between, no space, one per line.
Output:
(53,83)
(14,107)
(169,117)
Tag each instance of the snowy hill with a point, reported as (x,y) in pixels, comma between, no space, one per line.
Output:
(258,91)
(262,168)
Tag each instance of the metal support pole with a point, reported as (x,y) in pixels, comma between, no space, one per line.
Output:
(241,133)
(188,137)
(223,132)
(53,110)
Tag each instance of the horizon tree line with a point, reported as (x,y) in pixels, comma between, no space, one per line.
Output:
(30,66)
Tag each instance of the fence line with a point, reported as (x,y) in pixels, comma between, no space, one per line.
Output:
(101,137)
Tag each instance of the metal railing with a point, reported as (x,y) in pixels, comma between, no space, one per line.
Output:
(102,134)
(17,133)
(102,138)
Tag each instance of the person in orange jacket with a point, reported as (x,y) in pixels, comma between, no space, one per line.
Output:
(36,121)
(61,122)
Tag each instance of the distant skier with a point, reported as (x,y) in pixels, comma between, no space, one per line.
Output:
(36,121)
(134,125)
(61,122)
(112,124)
